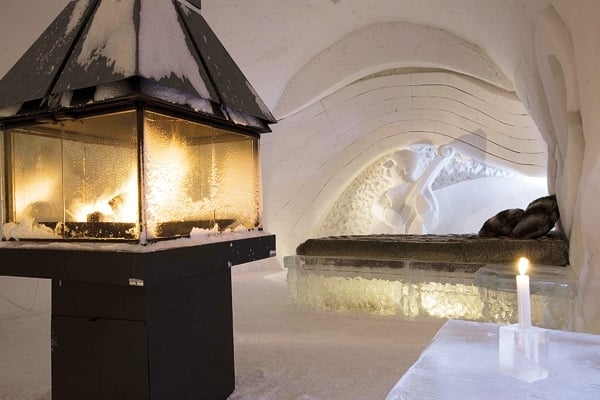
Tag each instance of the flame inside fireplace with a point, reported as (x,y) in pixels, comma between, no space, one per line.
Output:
(119,206)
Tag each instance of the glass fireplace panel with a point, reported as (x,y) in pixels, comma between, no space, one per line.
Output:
(197,176)
(36,179)
(75,179)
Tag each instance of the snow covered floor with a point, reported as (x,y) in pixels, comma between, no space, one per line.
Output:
(282,352)
(25,358)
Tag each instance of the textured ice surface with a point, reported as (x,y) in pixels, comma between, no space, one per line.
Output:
(462,362)
(523,352)
(351,212)
(408,291)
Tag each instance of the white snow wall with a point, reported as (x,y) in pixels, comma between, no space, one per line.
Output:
(520,40)
(318,152)
(338,115)
(355,102)
(568,42)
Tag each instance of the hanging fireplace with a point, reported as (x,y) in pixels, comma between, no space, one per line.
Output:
(131,179)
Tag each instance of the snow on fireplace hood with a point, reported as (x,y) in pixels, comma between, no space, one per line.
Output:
(99,52)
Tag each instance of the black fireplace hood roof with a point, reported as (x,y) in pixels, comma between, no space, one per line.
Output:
(102,51)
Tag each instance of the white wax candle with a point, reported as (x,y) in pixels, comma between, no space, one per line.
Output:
(523,294)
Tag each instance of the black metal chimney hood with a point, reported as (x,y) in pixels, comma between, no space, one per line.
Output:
(102,52)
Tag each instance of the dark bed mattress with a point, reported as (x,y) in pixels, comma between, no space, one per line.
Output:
(455,248)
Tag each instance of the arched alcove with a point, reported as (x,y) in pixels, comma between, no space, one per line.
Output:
(570,143)
(467,190)
(331,143)
(383,46)
(555,60)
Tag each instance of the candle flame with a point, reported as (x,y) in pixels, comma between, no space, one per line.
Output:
(523,265)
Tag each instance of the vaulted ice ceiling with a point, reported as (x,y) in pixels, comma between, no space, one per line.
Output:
(272,40)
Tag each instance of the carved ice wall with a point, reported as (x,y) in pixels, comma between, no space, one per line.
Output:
(380,46)
(331,142)
(554,54)
(468,191)
(566,44)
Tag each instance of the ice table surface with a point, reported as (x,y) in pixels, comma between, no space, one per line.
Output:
(462,363)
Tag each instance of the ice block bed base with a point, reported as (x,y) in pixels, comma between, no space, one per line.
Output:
(446,276)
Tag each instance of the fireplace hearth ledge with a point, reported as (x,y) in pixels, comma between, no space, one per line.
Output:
(118,263)
(135,247)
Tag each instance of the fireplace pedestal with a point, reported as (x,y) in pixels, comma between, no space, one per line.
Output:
(139,324)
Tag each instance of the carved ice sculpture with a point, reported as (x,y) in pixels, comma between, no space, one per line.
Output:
(410,206)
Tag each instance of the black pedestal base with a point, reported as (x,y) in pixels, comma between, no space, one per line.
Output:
(140,324)
(174,341)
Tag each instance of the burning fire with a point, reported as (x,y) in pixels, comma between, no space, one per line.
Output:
(119,206)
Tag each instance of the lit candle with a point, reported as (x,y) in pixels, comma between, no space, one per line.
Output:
(523,294)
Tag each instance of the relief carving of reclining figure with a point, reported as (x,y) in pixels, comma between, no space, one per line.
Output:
(410,206)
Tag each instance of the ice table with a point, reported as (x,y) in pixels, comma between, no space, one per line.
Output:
(462,363)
